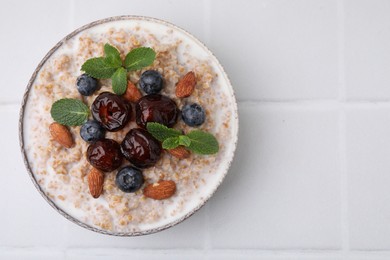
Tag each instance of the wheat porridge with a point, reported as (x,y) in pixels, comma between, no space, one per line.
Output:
(62,173)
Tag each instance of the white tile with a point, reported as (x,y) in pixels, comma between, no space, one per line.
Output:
(30,221)
(184,13)
(368,153)
(188,234)
(367,49)
(371,256)
(283,190)
(31,29)
(264,255)
(28,254)
(113,254)
(277,49)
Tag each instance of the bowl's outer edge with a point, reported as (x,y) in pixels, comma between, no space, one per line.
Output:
(24,102)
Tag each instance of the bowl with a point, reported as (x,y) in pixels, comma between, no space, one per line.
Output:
(41,156)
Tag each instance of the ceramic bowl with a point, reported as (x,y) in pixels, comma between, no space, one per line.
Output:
(221,171)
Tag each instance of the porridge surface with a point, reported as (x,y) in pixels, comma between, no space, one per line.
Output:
(62,172)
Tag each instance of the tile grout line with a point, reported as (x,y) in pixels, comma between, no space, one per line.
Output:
(317,100)
(342,130)
(343,180)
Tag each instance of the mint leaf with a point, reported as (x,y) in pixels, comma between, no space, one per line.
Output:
(68,111)
(99,68)
(119,81)
(161,132)
(170,143)
(110,50)
(138,58)
(197,141)
(184,140)
(202,142)
(112,56)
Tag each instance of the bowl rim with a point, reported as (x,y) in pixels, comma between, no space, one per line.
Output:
(25,99)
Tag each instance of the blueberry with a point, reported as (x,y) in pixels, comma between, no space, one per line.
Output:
(92,131)
(86,85)
(151,82)
(129,179)
(193,114)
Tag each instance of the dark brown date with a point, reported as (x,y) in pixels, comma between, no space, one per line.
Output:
(105,155)
(156,108)
(141,148)
(111,111)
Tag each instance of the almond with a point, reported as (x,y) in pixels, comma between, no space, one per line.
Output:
(132,93)
(186,85)
(179,152)
(61,134)
(95,182)
(160,190)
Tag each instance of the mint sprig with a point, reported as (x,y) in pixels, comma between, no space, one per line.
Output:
(99,68)
(112,55)
(119,81)
(170,143)
(111,65)
(161,132)
(202,142)
(70,112)
(138,58)
(184,140)
(197,141)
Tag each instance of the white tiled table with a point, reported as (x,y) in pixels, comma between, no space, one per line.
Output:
(311,180)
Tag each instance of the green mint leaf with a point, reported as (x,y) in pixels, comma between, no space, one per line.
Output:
(138,58)
(110,50)
(112,55)
(99,68)
(161,132)
(184,140)
(119,81)
(68,111)
(202,142)
(170,143)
